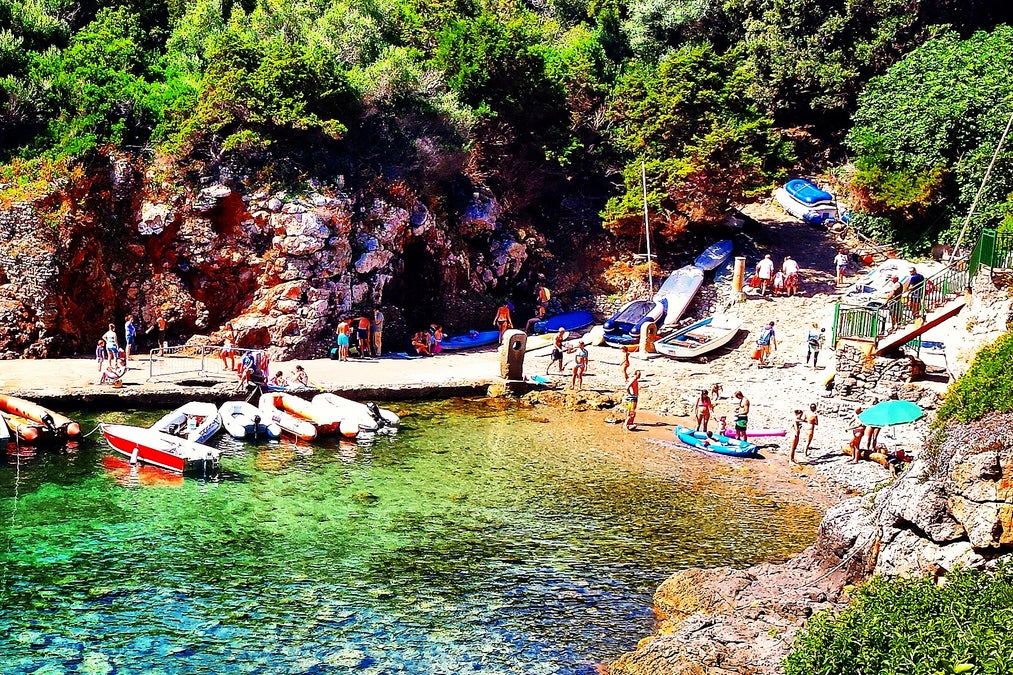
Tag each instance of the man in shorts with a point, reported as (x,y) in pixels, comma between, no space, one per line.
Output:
(841,263)
(557,350)
(741,416)
(362,336)
(765,273)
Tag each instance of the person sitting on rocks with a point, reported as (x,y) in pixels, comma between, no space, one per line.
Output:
(420,341)
(279,380)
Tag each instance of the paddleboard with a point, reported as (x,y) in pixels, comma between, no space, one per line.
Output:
(566,321)
(714,255)
(750,433)
(470,340)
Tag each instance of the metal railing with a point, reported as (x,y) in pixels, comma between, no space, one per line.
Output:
(875,321)
(196,361)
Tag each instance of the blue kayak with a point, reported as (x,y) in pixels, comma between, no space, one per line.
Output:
(714,255)
(807,193)
(470,340)
(716,443)
(567,321)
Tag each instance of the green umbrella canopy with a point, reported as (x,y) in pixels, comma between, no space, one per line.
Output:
(889,413)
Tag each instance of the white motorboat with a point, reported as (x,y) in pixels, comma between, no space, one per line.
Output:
(195,421)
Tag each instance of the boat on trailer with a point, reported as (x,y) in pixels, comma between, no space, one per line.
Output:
(700,338)
(806,201)
(144,444)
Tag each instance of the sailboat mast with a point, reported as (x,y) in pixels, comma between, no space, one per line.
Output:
(647,229)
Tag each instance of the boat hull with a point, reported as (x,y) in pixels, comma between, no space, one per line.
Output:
(353,412)
(624,326)
(245,420)
(714,255)
(717,443)
(57,425)
(159,449)
(567,321)
(195,421)
(700,338)
(470,340)
(677,292)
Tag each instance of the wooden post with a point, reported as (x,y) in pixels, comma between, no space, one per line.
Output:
(738,278)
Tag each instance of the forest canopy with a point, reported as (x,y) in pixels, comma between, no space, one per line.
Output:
(537,101)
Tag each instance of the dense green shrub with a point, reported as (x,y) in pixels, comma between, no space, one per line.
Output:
(914,627)
(987,386)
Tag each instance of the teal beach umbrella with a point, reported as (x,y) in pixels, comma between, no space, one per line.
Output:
(889,413)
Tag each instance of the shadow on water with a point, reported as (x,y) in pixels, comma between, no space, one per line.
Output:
(476,538)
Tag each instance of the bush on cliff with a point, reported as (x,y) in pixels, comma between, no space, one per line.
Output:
(915,627)
(987,386)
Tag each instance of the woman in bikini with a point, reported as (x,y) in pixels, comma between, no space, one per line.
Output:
(704,408)
(796,433)
(502,320)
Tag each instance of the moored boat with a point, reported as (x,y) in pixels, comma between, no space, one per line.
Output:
(568,321)
(369,416)
(714,255)
(302,418)
(699,338)
(624,327)
(26,430)
(53,424)
(195,421)
(242,419)
(805,201)
(160,449)
(712,442)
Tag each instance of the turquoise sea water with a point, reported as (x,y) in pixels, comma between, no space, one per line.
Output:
(476,540)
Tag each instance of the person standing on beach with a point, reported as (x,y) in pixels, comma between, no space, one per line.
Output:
(766,342)
(796,433)
(841,263)
(790,269)
(502,320)
(362,336)
(228,351)
(704,408)
(630,400)
(811,420)
(130,337)
(814,342)
(857,427)
(765,273)
(161,324)
(377,332)
(100,354)
(579,367)
(557,350)
(741,416)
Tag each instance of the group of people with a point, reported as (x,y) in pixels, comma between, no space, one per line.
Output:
(367,335)
(113,355)
(809,421)
(428,342)
(704,410)
(779,281)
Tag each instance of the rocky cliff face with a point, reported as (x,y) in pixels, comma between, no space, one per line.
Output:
(953,506)
(283,268)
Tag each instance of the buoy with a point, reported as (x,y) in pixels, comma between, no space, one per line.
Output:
(867,260)
(30,434)
(73,429)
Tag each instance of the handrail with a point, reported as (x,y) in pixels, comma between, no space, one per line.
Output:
(875,321)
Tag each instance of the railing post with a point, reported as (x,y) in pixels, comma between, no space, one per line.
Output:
(833,330)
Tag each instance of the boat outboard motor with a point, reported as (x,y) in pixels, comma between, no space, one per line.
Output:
(374,412)
(256,425)
(50,423)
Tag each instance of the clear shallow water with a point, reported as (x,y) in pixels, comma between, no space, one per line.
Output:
(476,540)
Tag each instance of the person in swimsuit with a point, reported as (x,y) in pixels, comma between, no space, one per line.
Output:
(436,338)
(579,367)
(502,321)
(111,349)
(704,408)
(796,433)
(228,351)
(630,400)
(529,327)
(626,363)
(279,380)
(101,355)
(342,339)
(130,333)
(812,420)
(557,350)
(300,377)
(857,427)
(741,416)
(362,336)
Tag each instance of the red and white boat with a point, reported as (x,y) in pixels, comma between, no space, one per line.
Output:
(160,449)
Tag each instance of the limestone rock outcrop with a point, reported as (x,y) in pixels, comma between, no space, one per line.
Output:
(283,268)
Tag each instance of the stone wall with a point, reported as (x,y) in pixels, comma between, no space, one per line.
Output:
(864,378)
